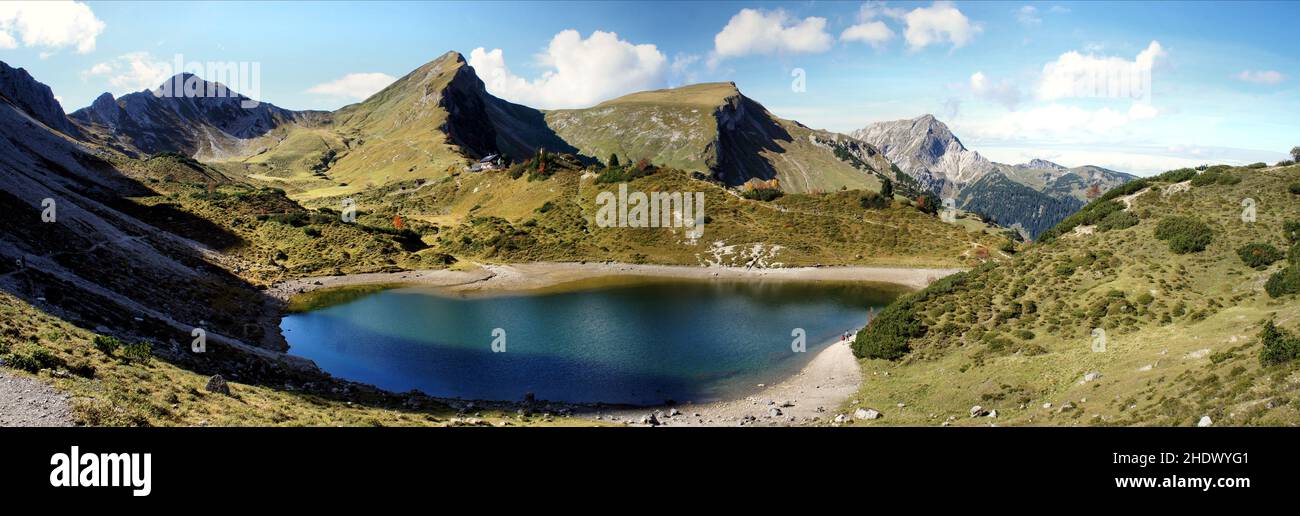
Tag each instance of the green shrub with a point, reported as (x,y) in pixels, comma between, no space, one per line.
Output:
(1117,220)
(1294,188)
(1260,164)
(1283,282)
(1145,298)
(1279,346)
(1024,334)
(138,352)
(873,201)
(928,203)
(107,344)
(762,194)
(1259,255)
(1291,230)
(23,362)
(311,232)
(46,359)
(1216,175)
(545,207)
(1184,234)
(1177,176)
(887,336)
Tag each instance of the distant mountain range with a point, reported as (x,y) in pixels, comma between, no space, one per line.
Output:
(440,117)
(1033,196)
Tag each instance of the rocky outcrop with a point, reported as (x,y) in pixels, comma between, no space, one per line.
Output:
(34,98)
(1033,196)
(927,150)
(188,115)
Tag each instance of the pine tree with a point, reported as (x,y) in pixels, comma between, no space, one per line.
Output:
(613,160)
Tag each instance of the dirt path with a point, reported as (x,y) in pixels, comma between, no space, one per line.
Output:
(29,402)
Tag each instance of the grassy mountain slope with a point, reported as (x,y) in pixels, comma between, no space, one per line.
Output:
(148,250)
(1182,329)
(431,122)
(713,127)
(493,216)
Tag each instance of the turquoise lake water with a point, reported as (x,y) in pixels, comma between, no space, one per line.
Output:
(640,343)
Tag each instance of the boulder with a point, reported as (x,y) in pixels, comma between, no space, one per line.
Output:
(1204,422)
(866,414)
(218,385)
(977,411)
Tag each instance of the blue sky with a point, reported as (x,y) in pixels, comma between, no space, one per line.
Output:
(1223,75)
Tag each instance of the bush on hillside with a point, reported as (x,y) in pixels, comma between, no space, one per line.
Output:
(1294,188)
(138,352)
(107,344)
(887,336)
(1259,255)
(1283,282)
(1117,220)
(1279,346)
(23,362)
(1260,164)
(873,201)
(762,194)
(1184,234)
(1215,175)
(928,203)
(1177,176)
(1291,230)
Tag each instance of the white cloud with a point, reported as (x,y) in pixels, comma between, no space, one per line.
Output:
(1002,92)
(1261,76)
(356,86)
(1028,15)
(1076,75)
(50,25)
(683,66)
(581,72)
(755,31)
(939,23)
(869,29)
(1070,122)
(875,33)
(131,72)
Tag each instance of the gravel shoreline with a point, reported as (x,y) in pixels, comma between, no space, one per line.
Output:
(538,275)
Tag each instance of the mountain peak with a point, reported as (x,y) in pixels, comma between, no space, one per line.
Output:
(926,149)
(453,56)
(1037,163)
(33,97)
